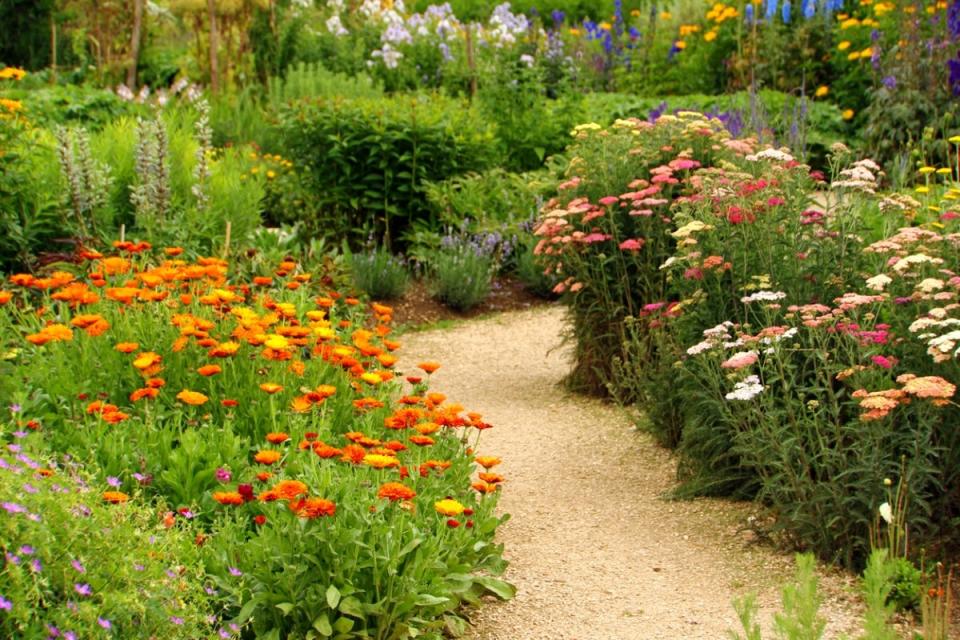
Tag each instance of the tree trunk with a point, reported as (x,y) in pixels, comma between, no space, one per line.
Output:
(135,37)
(214,46)
(53,46)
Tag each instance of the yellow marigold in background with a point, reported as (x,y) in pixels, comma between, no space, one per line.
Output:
(380,461)
(267,457)
(11,105)
(710,36)
(843,46)
(448,507)
(848,114)
(821,91)
(14,73)
(194,398)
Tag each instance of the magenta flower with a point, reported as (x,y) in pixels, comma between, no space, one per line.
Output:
(83,589)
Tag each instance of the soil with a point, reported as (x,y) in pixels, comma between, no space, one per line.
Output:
(417,307)
(596,548)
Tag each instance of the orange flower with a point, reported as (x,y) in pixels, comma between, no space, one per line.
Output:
(484,487)
(313,508)
(380,461)
(267,457)
(146,360)
(228,402)
(492,478)
(326,451)
(208,370)
(194,398)
(140,394)
(5,297)
(277,437)
(173,251)
(270,387)
(115,497)
(394,491)
(290,489)
(487,462)
(423,441)
(228,497)
(429,367)
(127,347)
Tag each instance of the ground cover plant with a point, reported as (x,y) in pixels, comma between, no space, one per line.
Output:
(262,418)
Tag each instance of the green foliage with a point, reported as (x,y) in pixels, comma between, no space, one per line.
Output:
(313,80)
(491,200)
(877,582)
(379,274)
(366,162)
(82,565)
(461,273)
(70,104)
(799,617)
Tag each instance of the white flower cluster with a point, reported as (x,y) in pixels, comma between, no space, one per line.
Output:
(776,155)
(942,347)
(713,337)
(863,175)
(747,389)
(505,26)
(335,25)
(764,296)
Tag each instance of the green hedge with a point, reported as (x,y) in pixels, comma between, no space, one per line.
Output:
(365,161)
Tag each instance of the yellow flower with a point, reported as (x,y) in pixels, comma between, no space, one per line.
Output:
(635,13)
(867,53)
(11,105)
(271,174)
(606,26)
(448,507)
(954,139)
(680,44)
(843,46)
(851,22)
(665,15)
(710,36)
(853,56)
(378,461)
(922,189)
(14,73)
(927,170)
(944,171)
(821,91)
(848,114)
(575,32)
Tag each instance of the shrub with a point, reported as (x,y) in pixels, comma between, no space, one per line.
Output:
(266,413)
(78,564)
(379,274)
(462,270)
(367,161)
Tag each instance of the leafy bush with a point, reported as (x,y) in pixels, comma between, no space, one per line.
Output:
(266,413)
(462,270)
(379,274)
(78,564)
(367,161)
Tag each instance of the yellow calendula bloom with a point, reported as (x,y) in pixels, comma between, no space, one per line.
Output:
(665,15)
(11,105)
(849,23)
(680,44)
(574,32)
(843,46)
(12,73)
(848,114)
(606,26)
(378,461)
(710,36)
(867,53)
(853,56)
(821,91)
(448,507)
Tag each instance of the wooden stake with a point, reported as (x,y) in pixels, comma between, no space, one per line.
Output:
(226,240)
(123,232)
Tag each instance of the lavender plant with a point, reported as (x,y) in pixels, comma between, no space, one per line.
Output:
(462,269)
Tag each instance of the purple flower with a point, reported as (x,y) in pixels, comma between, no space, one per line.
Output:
(223,633)
(171,573)
(19,434)
(36,566)
(103,622)
(890,82)
(69,635)
(13,507)
(15,448)
(83,589)
(144,480)
(114,482)
(223,474)
(234,571)
(15,408)
(176,620)
(12,559)
(29,488)
(26,550)
(78,567)
(139,567)
(5,604)
(53,631)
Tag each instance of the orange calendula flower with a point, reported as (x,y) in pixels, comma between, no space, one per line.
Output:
(429,367)
(194,398)
(208,370)
(228,497)
(140,394)
(270,387)
(378,461)
(492,478)
(5,297)
(484,487)
(277,437)
(422,441)
(448,507)
(487,462)
(311,508)
(326,451)
(127,347)
(394,491)
(290,489)
(146,360)
(115,497)
(267,457)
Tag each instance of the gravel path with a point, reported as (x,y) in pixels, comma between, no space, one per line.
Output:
(595,550)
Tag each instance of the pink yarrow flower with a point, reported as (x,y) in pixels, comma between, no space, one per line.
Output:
(740,360)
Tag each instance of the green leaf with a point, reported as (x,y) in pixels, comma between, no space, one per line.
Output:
(322,624)
(343,625)
(429,600)
(286,607)
(500,588)
(333,596)
(352,607)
